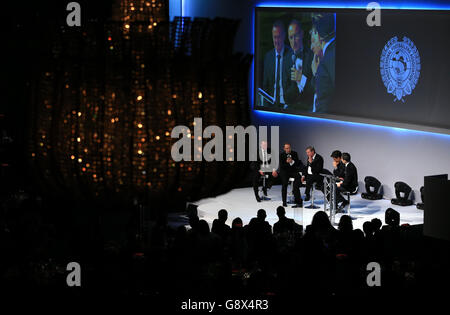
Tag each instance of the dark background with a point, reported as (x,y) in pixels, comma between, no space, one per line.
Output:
(360,91)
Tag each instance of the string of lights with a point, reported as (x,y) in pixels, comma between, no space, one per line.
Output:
(109,95)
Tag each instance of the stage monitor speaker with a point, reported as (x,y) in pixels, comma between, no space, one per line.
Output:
(437,209)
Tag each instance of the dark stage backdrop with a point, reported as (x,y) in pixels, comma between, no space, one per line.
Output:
(104,98)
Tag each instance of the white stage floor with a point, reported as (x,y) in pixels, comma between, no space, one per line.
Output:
(241,203)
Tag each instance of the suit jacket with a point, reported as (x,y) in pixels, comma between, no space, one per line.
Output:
(293,97)
(287,168)
(351,177)
(269,72)
(340,170)
(316,165)
(325,79)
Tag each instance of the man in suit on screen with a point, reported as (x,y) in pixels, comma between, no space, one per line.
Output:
(276,77)
(323,35)
(300,93)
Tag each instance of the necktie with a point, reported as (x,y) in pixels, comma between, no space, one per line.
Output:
(264,158)
(277,81)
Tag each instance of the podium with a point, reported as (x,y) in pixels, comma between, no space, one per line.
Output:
(329,195)
(265,96)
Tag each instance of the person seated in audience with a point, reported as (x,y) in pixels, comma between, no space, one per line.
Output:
(283,225)
(238,244)
(349,183)
(349,241)
(259,235)
(219,227)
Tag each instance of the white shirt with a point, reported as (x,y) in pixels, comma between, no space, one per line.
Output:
(264,157)
(301,85)
(309,167)
(281,76)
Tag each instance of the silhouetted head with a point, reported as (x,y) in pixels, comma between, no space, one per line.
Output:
(392,217)
(223,215)
(203,227)
(345,224)
(281,212)
(320,221)
(376,224)
(368,228)
(237,223)
(261,214)
(193,221)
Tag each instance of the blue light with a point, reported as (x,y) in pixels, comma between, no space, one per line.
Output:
(269,115)
(411,5)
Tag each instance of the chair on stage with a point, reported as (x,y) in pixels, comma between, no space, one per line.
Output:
(290,194)
(348,194)
(264,179)
(373,186)
(421,205)
(312,206)
(402,192)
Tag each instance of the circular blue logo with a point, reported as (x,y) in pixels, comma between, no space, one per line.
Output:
(400,67)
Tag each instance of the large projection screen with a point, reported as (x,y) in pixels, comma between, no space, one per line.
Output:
(330,63)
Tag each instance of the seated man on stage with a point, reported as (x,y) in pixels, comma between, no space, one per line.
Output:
(290,166)
(349,183)
(257,166)
(338,166)
(314,167)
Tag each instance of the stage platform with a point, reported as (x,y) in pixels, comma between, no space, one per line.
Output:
(241,203)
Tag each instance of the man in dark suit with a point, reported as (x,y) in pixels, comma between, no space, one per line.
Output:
(276,77)
(324,31)
(350,181)
(314,167)
(300,93)
(338,166)
(290,166)
(258,170)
